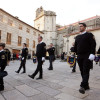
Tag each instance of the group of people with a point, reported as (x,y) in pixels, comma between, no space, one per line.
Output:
(40,54)
(84,47)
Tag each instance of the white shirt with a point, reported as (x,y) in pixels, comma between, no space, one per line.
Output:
(24,47)
(40,42)
(83,32)
(1,50)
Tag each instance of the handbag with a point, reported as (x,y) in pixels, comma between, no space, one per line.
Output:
(3,74)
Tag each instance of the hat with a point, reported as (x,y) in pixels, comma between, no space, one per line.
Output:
(2,44)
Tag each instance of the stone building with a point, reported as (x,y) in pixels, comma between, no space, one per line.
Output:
(45,21)
(72,30)
(15,32)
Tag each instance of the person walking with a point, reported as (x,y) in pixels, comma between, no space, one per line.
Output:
(51,52)
(23,58)
(3,64)
(41,54)
(85,46)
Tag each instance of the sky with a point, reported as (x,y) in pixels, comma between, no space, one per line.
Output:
(67,11)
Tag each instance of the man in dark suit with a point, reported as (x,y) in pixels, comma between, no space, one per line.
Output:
(3,64)
(40,53)
(85,46)
(23,58)
(51,52)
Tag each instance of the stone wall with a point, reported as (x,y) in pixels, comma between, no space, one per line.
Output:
(70,31)
(15,32)
(68,45)
(46,22)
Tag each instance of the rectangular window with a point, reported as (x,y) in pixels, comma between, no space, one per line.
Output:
(1,18)
(8,40)
(20,27)
(33,44)
(0,35)
(10,22)
(27,42)
(19,41)
(28,30)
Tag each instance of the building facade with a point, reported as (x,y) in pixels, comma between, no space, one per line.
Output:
(72,30)
(15,32)
(45,21)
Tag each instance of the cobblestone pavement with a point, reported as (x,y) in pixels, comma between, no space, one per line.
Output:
(59,84)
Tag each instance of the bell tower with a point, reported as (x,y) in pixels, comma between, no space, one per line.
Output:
(45,21)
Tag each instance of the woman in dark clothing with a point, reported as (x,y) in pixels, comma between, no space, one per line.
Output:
(14,57)
(8,54)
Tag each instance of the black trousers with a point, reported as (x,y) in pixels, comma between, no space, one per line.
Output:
(1,82)
(39,68)
(85,65)
(22,65)
(1,79)
(74,67)
(51,59)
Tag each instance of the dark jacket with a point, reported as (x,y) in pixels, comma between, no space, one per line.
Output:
(8,54)
(85,44)
(24,53)
(3,60)
(51,51)
(41,50)
(72,49)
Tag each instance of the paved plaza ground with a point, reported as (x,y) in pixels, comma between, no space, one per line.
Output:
(59,84)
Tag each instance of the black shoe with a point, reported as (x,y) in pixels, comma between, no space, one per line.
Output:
(73,71)
(17,71)
(1,88)
(23,72)
(50,68)
(31,76)
(96,63)
(39,78)
(82,90)
(87,88)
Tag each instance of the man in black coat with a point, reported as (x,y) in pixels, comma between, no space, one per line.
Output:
(85,46)
(51,52)
(62,55)
(41,54)
(23,58)
(3,64)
